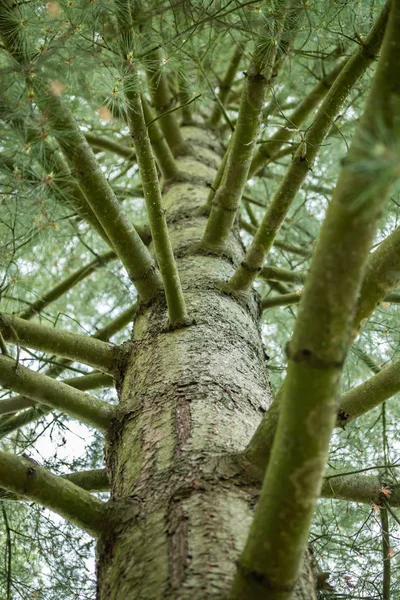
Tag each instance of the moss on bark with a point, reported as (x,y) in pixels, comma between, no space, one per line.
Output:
(188,395)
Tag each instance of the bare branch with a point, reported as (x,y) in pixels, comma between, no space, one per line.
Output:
(62,288)
(10,424)
(41,388)
(83,383)
(369,394)
(162,152)
(225,87)
(162,100)
(94,480)
(381,277)
(82,348)
(27,479)
(269,149)
(98,142)
(242,146)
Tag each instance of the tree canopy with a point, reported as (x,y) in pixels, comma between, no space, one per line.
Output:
(297,101)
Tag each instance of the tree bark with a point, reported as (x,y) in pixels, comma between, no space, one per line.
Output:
(189,398)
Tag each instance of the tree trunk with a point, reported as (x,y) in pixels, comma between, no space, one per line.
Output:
(189,398)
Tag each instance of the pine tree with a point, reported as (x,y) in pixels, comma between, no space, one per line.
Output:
(186,186)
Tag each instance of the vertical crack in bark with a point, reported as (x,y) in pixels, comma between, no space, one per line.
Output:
(183,420)
(177,520)
(178,544)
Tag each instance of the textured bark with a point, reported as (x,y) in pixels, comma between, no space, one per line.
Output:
(189,397)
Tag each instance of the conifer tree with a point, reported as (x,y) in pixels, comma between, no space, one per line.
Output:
(199,293)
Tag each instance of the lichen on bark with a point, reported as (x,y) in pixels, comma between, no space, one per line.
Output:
(188,396)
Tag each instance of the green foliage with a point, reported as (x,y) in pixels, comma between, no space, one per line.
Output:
(73,45)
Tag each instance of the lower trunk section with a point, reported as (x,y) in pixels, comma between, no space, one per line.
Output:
(182,548)
(189,400)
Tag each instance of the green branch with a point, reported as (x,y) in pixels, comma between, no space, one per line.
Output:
(357,487)
(382,275)
(162,152)
(217,179)
(289,299)
(250,213)
(225,87)
(41,388)
(61,184)
(124,319)
(162,100)
(83,383)
(263,66)
(278,274)
(320,342)
(94,480)
(305,156)
(185,97)
(250,228)
(27,479)
(259,448)
(395,298)
(269,149)
(62,288)
(81,348)
(283,300)
(216,97)
(9,550)
(10,424)
(130,249)
(98,142)
(369,394)
(151,189)
(241,149)
(156,214)
(366,358)
(344,484)
(172,110)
